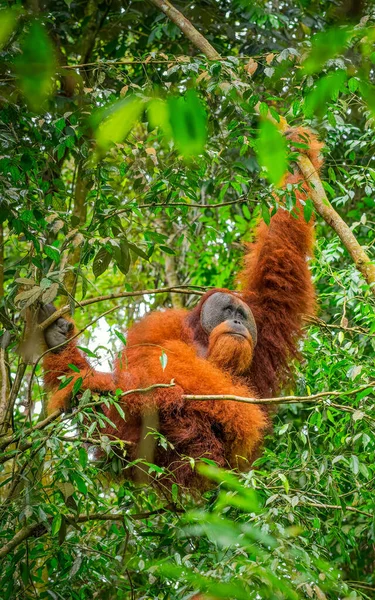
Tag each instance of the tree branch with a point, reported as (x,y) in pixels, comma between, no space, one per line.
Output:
(284,399)
(187,28)
(32,529)
(325,209)
(41,425)
(312,320)
(66,309)
(337,507)
(57,413)
(240,200)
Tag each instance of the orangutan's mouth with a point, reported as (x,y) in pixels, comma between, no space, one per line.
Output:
(237,335)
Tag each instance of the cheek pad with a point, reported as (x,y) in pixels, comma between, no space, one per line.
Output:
(212,310)
(210,317)
(252,328)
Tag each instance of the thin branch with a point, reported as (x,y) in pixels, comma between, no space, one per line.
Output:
(20,536)
(241,200)
(337,507)
(66,309)
(318,196)
(57,413)
(41,425)
(312,320)
(324,208)
(3,390)
(183,58)
(187,28)
(284,399)
(30,530)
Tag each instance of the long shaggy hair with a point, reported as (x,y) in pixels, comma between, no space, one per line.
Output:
(276,285)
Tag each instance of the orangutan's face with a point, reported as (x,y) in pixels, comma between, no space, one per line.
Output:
(230,325)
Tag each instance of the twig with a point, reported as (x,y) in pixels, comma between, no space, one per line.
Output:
(22,535)
(16,384)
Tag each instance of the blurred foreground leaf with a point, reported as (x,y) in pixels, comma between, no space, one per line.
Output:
(327,88)
(117,121)
(35,67)
(272,152)
(324,46)
(188,122)
(7,24)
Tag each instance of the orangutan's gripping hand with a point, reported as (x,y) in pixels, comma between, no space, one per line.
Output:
(58,332)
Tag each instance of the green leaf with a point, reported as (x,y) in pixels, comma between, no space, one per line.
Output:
(65,381)
(7,24)
(163,360)
(120,410)
(122,256)
(45,283)
(80,482)
(116,122)
(83,458)
(307,210)
(327,88)
(52,253)
(263,109)
(368,94)
(354,464)
(326,45)
(285,482)
(120,336)
(158,116)
(77,386)
(56,524)
(265,213)
(73,367)
(35,66)
(87,351)
(353,84)
(85,398)
(27,216)
(138,251)
(167,249)
(188,123)
(271,152)
(101,262)
(174,492)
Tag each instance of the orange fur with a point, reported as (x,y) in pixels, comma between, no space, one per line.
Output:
(276,285)
(228,352)
(276,281)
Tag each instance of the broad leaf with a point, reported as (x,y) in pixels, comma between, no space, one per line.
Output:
(271,151)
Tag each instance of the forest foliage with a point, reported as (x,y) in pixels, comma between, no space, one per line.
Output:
(132,171)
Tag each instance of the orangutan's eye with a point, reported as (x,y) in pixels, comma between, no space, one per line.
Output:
(242,314)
